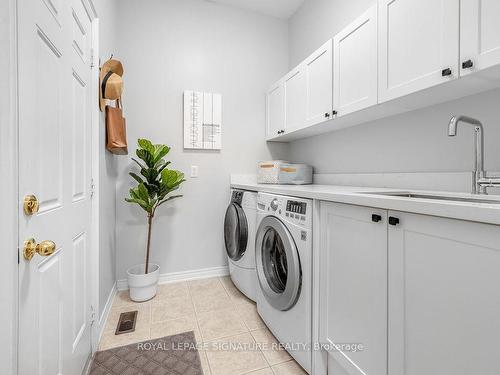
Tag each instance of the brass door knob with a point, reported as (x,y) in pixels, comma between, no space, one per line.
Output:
(44,248)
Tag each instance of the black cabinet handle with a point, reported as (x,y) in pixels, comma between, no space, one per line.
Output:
(327,115)
(467,64)
(446,72)
(334,113)
(393,220)
(376,218)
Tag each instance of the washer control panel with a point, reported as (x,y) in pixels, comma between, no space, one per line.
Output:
(294,210)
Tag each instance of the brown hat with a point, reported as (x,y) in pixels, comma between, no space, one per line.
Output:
(110,82)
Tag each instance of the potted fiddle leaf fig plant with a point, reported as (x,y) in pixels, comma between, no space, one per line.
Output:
(155,186)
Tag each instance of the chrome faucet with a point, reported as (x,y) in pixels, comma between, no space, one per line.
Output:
(480,180)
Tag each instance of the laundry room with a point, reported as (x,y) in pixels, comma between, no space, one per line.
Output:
(250,187)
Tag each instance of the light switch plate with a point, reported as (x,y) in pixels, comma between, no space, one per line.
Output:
(194,171)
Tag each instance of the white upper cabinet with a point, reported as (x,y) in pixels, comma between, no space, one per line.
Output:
(444,296)
(399,55)
(275,110)
(418,45)
(353,287)
(355,65)
(319,91)
(479,35)
(295,99)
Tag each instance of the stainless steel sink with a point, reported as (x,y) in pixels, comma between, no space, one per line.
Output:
(436,197)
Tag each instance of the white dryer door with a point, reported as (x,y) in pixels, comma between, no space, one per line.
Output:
(278,264)
(235,232)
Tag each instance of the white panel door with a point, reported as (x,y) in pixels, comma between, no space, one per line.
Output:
(355,65)
(319,90)
(275,110)
(418,45)
(295,99)
(55,166)
(444,296)
(353,287)
(479,35)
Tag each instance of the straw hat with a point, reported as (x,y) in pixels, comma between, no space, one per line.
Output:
(110,82)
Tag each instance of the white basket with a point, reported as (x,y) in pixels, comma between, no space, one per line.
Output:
(269,171)
(283,172)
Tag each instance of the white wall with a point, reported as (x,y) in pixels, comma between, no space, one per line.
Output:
(106,11)
(168,46)
(8,190)
(412,142)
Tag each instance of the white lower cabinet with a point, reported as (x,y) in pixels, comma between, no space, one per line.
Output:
(444,296)
(421,294)
(353,295)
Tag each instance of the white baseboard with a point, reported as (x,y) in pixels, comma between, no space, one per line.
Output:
(172,277)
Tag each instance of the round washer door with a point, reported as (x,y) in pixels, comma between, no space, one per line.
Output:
(278,264)
(235,232)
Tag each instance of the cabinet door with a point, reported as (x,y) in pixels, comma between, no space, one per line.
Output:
(275,110)
(444,296)
(295,99)
(479,35)
(418,45)
(355,65)
(353,287)
(319,91)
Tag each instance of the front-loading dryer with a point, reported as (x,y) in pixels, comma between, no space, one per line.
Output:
(239,239)
(283,255)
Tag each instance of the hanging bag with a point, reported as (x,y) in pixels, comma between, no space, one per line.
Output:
(116,132)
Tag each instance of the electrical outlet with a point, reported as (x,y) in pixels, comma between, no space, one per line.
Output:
(194,171)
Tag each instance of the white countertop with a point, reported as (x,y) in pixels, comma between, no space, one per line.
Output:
(479,212)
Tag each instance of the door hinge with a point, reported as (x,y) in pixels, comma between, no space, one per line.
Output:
(92,315)
(92,188)
(18,256)
(92,64)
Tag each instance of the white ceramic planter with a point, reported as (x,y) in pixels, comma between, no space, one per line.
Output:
(143,287)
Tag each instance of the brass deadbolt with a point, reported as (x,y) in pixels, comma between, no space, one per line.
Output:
(30,205)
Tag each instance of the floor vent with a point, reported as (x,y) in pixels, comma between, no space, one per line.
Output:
(126,324)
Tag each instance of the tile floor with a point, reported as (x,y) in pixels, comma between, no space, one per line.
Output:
(218,314)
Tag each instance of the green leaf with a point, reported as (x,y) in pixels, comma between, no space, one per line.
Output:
(136,177)
(146,145)
(140,202)
(143,192)
(159,152)
(146,156)
(134,193)
(171,178)
(169,199)
(142,166)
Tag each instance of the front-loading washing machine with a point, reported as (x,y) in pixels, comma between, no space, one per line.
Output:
(283,255)
(239,239)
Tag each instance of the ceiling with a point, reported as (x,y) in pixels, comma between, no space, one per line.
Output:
(276,8)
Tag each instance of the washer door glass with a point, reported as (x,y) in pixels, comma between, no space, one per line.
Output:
(274,260)
(235,232)
(278,264)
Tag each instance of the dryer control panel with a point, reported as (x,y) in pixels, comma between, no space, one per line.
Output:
(295,210)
